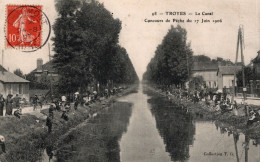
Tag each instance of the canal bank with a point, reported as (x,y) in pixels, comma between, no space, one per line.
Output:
(27,138)
(228,119)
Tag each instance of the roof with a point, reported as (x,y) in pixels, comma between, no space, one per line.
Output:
(47,66)
(204,66)
(8,77)
(228,70)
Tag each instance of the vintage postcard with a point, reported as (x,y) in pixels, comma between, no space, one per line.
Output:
(130,80)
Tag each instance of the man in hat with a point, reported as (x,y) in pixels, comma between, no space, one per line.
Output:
(2,143)
(9,102)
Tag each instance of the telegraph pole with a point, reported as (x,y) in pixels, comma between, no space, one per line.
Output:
(239,44)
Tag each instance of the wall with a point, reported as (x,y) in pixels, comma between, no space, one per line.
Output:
(16,88)
(227,81)
(209,76)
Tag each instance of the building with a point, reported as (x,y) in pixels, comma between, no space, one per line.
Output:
(256,65)
(255,83)
(45,70)
(208,71)
(225,75)
(13,84)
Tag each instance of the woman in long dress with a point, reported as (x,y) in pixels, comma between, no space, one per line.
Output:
(9,108)
(2,103)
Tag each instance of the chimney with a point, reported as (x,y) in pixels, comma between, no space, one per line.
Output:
(258,54)
(39,64)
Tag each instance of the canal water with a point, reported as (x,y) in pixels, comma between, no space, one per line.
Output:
(147,127)
(160,131)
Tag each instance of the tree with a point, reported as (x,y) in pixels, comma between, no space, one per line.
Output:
(221,61)
(201,58)
(196,83)
(249,75)
(19,73)
(169,65)
(86,46)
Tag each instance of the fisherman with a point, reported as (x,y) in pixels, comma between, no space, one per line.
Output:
(35,102)
(2,104)
(76,99)
(2,143)
(106,93)
(65,116)
(254,117)
(67,106)
(49,123)
(18,112)
(63,100)
(51,109)
(41,100)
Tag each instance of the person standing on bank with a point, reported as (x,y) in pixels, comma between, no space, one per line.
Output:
(41,100)
(16,100)
(35,102)
(2,104)
(9,106)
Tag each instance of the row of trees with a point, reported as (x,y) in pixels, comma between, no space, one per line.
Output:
(86,46)
(172,61)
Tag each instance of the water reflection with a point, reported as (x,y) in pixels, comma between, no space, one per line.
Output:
(192,138)
(96,140)
(49,152)
(245,145)
(175,126)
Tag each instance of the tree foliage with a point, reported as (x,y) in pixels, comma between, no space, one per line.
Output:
(41,82)
(201,58)
(86,46)
(169,65)
(19,73)
(196,83)
(249,75)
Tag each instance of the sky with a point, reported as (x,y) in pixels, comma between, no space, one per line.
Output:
(141,38)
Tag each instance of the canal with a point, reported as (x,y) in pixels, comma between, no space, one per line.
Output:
(159,130)
(147,127)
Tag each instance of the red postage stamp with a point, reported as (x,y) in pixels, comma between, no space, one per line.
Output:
(24,26)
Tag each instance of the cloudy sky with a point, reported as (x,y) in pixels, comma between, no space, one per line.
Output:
(141,38)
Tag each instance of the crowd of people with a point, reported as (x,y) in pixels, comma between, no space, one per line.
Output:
(11,103)
(218,100)
(63,103)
